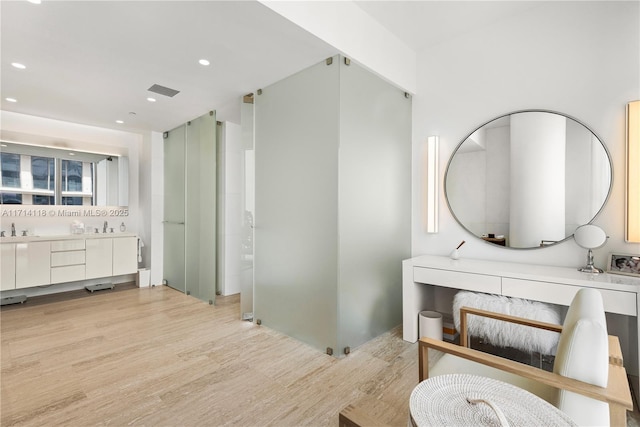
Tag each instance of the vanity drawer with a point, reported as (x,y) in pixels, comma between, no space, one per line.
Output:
(458,280)
(67,245)
(59,259)
(69,273)
(614,301)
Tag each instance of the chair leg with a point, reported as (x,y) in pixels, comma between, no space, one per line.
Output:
(463,329)
(617,415)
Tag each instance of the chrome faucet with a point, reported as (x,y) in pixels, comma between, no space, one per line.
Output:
(104,227)
(13,230)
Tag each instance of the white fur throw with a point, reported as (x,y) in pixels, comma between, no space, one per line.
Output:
(507,334)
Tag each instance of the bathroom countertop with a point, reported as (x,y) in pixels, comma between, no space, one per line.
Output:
(39,238)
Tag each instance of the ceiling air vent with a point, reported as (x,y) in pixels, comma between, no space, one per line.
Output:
(163,90)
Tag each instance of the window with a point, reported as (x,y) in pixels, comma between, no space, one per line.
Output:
(71,175)
(72,200)
(11,198)
(43,172)
(40,180)
(43,200)
(10,166)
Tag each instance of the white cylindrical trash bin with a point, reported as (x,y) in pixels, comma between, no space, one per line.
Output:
(430,325)
(144,277)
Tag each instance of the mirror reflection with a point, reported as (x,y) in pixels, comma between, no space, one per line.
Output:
(37,175)
(528,179)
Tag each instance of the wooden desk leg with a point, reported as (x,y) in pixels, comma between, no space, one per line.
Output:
(423,361)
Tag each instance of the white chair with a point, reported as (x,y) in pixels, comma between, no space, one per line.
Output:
(588,381)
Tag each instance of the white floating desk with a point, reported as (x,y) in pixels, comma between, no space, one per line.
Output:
(556,285)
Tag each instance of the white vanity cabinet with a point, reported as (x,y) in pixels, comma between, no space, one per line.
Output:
(33,264)
(7,266)
(125,255)
(99,258)
(29,261)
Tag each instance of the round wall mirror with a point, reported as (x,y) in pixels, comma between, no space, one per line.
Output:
(528,179)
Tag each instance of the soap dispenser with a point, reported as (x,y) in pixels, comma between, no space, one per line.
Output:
(122,227)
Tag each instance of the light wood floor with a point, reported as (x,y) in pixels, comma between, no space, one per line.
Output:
(155,357)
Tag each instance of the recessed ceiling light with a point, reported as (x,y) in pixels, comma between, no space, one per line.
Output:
(11,99)
(72,154)
(3,145)
(35,1)
(203,62)
(151,99)
(119,122)
(18,65)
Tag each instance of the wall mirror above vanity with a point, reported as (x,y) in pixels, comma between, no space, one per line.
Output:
(39,174)
(528,179)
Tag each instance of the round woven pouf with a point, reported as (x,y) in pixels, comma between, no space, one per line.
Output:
(471,400)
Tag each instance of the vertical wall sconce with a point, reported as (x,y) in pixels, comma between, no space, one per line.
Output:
(633,173)
(431,185)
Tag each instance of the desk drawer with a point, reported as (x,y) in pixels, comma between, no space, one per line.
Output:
(458,280)
(614,301)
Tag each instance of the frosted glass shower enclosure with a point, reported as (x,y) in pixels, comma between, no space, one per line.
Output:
(190,208)
(332,204)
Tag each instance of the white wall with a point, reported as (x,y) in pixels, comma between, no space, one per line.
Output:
(577,58)
(356,35)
